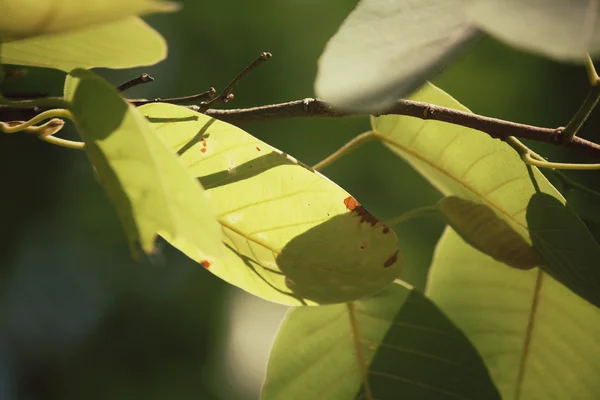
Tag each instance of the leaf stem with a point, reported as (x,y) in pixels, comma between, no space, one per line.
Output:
(412,214)
(588,105)
(568,183)
(14,128)
(349,147)
(532,158)
(69,144)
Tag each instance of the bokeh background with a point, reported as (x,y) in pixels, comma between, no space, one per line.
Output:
(80,320)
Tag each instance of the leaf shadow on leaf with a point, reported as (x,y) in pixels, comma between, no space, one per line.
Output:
(320,269)
(424,356)
(244,171)
(568,248)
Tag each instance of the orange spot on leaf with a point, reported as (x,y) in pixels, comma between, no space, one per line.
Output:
(391,260)
(351,203)
(204,142)
(203,149)
(205,263)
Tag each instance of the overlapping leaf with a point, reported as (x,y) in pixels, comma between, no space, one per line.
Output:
(394,345)
(26,18)
(292,235)
(386,49)
(538,339)
(560,29)
(126,43)
(479,226)
(151,189)
(469,164)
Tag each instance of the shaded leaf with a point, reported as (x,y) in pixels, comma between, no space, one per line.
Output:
(292,235)
(126,43)
(151,189)
(471,165)
(561,29)
(538,340)
(563,240)
(407,347)
(23,18)
(386,49)
(479,226)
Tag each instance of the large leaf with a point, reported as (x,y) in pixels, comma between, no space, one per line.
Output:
(564,240)
(539,341)
(151,189)
(23,18)
(479,226)
(126,43)
(386,49)
(398,340)
(561,29)
(293,236)
(471,165)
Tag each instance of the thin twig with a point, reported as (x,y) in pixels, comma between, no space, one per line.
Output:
(143,78)
(177,100)
(588,105)
(227,94)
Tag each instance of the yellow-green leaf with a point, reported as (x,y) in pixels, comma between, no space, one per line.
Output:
(146,181)
(394,345)
(469,164)
(26,18)
(292,235)
(126,43)
(538,340)
(479,226)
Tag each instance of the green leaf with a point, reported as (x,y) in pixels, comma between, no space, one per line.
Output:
(469,164)
(563,240)
(537,339)
(151,189)
(398,339)
(387,49)
(479,226)
(25,18)
(126,43)
(560,29)
(292,235)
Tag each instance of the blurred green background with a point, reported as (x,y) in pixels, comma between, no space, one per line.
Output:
(79,319)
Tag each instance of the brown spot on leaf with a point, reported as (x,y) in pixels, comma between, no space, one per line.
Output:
(351,203)
(257,148)
(366,216)
(203,142)
(363,245)
(385,229)
(205,263)
(391,260)
(203,149)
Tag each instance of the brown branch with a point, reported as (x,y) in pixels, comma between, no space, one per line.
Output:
(496,128)
(140,80)
(309,107)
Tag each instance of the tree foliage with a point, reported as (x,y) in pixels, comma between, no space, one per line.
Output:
(513,289)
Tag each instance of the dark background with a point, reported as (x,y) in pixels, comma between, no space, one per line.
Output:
(79,319)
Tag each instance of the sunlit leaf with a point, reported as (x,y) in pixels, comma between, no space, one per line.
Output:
(293,236)
(560,29)
(386,49)
(471,165)
(398,339)
(479,226)
(126,43)
(538,340)
(146,181)
(23,18)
